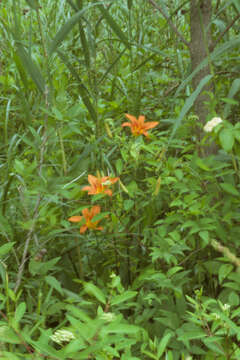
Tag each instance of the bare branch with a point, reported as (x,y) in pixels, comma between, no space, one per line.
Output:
(152,2)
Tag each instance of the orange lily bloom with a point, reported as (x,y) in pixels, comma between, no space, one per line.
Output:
(88,216)
(99,185)
(138,126)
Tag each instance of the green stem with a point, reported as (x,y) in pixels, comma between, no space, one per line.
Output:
(48,91)
(80,266)
(235,164)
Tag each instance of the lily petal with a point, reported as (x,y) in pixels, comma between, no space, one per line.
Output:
(126,124)
(93,180)
(150,124)
(83,229)
(95,210)
(75,218)
(132,118)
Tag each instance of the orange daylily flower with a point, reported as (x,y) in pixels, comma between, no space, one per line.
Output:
(88,216)
(99,185)
(138,126)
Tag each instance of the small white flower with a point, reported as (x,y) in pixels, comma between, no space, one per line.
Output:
(226,307)
(210,125)
(61,336)
(216,316)
(108,316)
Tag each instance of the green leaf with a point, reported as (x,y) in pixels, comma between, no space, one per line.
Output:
(127,295)
(163,344)
(128,204)
(233,300)
(19,167)
(78,313)
(237,134)
(205,236)
(226,138)
(4,249)
(9,356)
(41,268)
(54,283)
(119,166)
(224,271)
(84,93)
(230,101)
(20,311)
(202,165)
(174,270)
(212,342)
(8,335)
(237,4)
(100,216)
(230,189)
(48,350)
(93,290)
(192,334)
(120,329)
(150,355)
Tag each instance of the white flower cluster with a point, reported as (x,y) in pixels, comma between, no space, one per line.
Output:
(226,307)
(216,316)
(108,316)
(210,125)
(61,336)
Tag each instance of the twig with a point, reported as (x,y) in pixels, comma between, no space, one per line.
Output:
(169,22)
(29,236)
(20,190)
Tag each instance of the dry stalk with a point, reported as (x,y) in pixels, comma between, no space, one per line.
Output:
(226,252)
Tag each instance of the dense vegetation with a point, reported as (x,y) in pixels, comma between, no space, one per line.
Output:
(119,233)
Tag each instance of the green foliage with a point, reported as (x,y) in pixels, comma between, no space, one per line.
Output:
(161,280)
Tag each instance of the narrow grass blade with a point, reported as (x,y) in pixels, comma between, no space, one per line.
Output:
(21,70)
(85,45)
(71,3)
(129,4)
(28,64)
(85,96)
(30,67)
(66,28)
(232,92)
(112,65)
(188,104)
(113,25)
(33,4)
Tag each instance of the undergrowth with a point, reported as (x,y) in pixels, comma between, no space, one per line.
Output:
(118,240)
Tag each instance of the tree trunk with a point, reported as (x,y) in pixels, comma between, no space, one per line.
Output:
(200,18)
